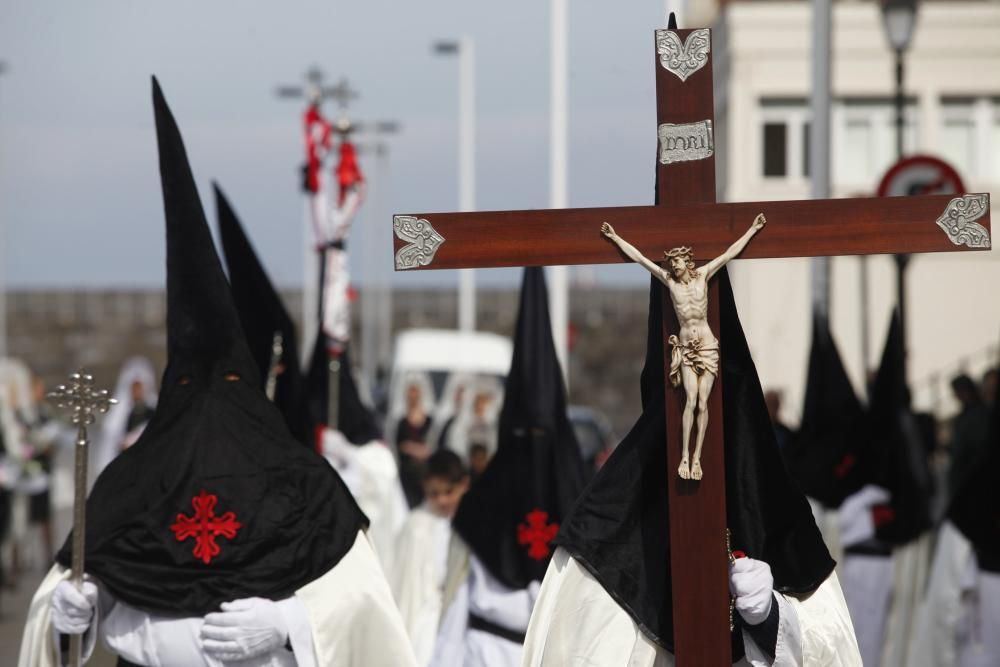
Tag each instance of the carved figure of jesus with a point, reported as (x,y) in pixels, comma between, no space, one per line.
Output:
(694,357)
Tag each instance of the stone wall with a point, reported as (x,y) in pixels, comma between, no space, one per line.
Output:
(57,331)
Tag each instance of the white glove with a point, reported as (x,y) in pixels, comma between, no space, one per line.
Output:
(244,629)
(73,608)
(752,587)
(855,515)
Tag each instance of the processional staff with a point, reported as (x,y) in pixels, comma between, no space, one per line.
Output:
(84,403)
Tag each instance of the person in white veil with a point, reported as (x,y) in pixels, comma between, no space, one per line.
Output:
(18,477)
(452,414)
(135,393)
(414,422)
(480,430)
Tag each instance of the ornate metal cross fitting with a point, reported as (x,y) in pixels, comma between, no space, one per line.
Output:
(81,398)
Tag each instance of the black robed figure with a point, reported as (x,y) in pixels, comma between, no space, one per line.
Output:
(898,450)
(354,418)
(505,524)
(827,456)
(975,510)
(537,472)
(619,530)
(215,444)
(216,538)
(301,397)
(268,327)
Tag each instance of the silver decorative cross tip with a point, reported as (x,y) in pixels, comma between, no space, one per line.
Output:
(422,241)
(683,58)
(959,220)
(81,398)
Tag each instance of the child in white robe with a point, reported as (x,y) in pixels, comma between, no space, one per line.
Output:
(422,552)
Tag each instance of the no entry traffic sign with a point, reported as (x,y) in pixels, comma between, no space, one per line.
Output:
(920,175)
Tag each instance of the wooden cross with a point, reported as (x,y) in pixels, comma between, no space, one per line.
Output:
(687,215)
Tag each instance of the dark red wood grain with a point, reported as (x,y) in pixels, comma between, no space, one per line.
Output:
(698,564)
(810,228)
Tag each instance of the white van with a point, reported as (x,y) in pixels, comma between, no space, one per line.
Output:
(439,359)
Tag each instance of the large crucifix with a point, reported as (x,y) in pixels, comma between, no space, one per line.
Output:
(686,215)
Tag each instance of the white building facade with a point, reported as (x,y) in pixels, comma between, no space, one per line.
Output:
(762,61)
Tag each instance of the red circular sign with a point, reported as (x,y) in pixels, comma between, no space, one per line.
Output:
(920,175)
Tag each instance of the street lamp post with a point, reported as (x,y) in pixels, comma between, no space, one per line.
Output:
(464,49)
(899,18)
(3,286)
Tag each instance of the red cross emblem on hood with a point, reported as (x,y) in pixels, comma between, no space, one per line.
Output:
(537,534)
(204,527)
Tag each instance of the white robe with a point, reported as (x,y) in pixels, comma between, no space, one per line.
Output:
(882,592)
(576,622)
(480,593)
(345,618)
(959,622)
(418,578)
(371,475)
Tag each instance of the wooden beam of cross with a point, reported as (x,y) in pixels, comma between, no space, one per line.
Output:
(686,215)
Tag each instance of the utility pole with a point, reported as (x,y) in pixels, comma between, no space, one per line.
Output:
(819,140)
(464,48)
(3,276)
(559,169)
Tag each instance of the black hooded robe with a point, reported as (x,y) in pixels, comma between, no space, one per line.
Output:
(607,594)
(505,524)
(216,501)
(883,576)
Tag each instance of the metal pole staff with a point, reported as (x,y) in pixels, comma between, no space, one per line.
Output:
(84,403)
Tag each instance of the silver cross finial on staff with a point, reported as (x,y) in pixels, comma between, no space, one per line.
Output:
(84,403)
(82,399)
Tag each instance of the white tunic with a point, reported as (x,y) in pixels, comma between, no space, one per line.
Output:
(371,475)
(959,620)
(481,594)
(418,578)
(346,618)
(882,592)
(576,622)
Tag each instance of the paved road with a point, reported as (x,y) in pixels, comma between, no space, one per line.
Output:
(13,611)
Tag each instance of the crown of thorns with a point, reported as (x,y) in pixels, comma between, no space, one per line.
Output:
(682,251)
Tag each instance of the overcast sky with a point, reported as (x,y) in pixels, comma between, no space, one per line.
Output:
(79,193)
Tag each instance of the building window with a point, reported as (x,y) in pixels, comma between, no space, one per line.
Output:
(805,149)
(775,149)
(958,135)
(970,137)
(863,140)
(784,131)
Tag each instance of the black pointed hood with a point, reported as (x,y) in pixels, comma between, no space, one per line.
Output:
(216,453)
(537,473)
(262,315)
(354,418)
(620,528)
(975,510)
(825,457)
(898,460)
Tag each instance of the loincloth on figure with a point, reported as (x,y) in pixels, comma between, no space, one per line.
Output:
(695,355)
